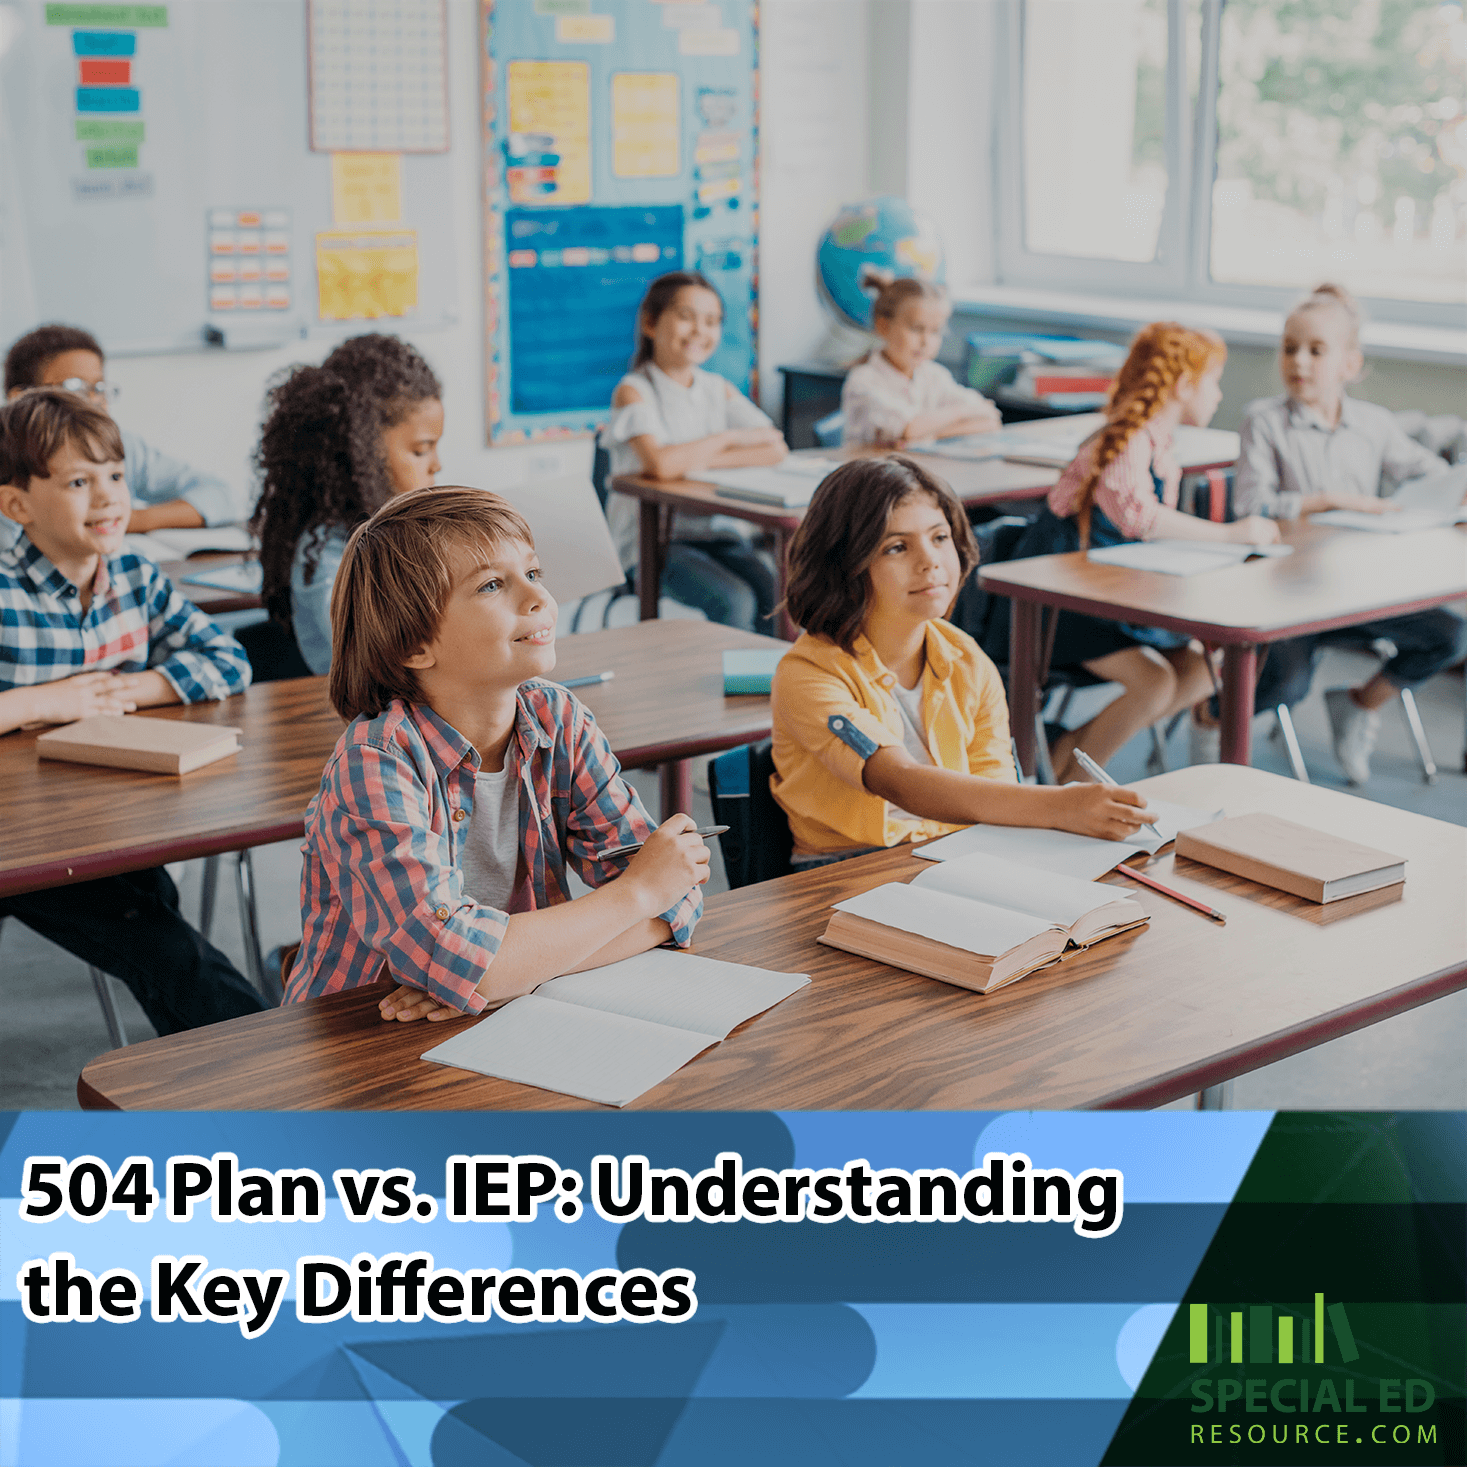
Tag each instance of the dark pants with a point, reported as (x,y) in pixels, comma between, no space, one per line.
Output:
(1426,642)
(130,926)
(728,581)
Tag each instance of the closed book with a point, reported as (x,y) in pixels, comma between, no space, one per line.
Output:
(1080,382)
(750,669)
(125,741)
(1295,858)
(979,922)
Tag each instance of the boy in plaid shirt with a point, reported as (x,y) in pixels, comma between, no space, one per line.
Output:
(465,785)
(88,628)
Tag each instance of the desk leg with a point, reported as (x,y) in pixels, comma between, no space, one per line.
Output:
(1239,673)
(675,787)
(1023,679)
(649,557)
(1216,1097)
(783,626)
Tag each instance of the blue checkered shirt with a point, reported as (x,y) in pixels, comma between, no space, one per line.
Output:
(136,621)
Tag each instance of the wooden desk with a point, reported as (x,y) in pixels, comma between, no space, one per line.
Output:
(1334,578)
(73,822)
(1138,1020)
(987,482)
(211,600)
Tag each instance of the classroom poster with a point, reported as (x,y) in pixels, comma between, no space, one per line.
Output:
(661,1288)
(620,142)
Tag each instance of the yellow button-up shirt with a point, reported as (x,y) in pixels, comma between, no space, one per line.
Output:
(834,709)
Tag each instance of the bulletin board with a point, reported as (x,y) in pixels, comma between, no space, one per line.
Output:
(181,175)
(620,142)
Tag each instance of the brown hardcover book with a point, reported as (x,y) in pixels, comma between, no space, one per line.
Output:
(979,922)
(125,741)
(1294,858)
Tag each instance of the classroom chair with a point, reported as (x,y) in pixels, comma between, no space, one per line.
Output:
(272,650)
(756,846)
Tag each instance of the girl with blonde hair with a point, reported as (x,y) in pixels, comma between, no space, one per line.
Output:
(1122,486)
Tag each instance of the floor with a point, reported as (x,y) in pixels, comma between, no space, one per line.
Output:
(1411,1062)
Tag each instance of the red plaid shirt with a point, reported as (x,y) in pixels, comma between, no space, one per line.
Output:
(382,882)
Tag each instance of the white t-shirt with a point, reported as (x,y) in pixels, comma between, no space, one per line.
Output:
(489,849)
(671,413)
(914,740)
(879,401)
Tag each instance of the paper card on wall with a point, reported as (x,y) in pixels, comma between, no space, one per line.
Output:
(548,151)
(596,30)
(699,17)
(695,42)
(562,7)
(365,274)
(366,188)
(645,124)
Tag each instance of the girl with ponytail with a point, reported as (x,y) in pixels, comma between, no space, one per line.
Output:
(1123,486)
(339,441)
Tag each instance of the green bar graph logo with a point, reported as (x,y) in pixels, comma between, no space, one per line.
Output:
(1263,1339)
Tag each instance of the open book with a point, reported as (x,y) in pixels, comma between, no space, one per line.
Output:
(980,922)
(786,485)
(1194,448)
(1181,557)
(611,1033)
(1061,852)
(1427,503)
(245,576)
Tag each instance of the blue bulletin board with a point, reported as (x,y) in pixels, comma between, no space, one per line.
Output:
(620,142)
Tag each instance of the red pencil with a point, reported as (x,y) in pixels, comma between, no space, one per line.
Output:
(1186,901)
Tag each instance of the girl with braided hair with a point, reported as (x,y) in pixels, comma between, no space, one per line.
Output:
(1123,486)
(339,441)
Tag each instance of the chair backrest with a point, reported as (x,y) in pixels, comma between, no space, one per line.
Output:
(828,430)
(272,651)
(600,471)
(756,846)
(997,540)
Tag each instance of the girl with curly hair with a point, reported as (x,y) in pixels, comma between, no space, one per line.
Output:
(339,441)
(1121,487)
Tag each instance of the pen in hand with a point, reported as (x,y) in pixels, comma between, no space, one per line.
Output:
(703,830)
(1101,777)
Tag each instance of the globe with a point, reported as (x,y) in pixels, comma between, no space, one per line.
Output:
(864,246)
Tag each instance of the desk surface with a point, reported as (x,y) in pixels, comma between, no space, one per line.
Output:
(1136,1021)
(74,822)
(211,600)
(1334,578)
(974,483)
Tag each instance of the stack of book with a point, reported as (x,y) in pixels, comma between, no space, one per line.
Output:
(1068,372)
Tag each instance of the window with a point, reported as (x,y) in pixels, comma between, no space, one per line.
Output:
(1237,151)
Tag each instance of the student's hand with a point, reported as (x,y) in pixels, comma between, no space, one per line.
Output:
(1363,503)
(754,438)
(83,696)
(673,861)
(405,1004)
(1255,530)
(1108,812)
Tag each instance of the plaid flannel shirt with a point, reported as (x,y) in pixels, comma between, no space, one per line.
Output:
(382,882)
(137,621)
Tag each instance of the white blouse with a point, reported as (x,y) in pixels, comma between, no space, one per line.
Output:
(879,401)
(671,413)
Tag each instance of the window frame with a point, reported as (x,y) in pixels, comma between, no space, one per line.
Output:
(1181,269)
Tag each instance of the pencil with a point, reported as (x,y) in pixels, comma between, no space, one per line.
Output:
(589,681)
(1177,896)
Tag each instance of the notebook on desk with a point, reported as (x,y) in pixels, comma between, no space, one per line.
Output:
(1194,448)
(247,577)
(1061,852)
(980,922)
(787,485)
(610,1034)
(1182,557)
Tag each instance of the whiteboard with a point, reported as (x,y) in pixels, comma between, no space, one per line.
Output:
(224,104)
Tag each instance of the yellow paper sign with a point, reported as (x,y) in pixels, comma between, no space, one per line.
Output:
(597,30)
(364,274)
(549,158)
(645,125)
(366,188)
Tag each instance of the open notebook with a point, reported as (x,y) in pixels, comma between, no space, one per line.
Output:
(1427,503)
(1181,557)
(1061,853)
(611,1033)
(980,922)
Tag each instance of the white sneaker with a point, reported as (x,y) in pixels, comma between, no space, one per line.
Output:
(1204,744)
(1355,730)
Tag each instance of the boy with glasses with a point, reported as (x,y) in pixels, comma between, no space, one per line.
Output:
(173,495)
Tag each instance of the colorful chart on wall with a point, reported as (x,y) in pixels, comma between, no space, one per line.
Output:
(620,142)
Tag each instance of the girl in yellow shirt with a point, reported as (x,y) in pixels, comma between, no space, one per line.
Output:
(890,724)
